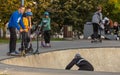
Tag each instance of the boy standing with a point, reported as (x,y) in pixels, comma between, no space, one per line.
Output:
(97,20)
(45,24)
(13,24)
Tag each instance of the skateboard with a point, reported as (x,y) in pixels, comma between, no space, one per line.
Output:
(96,41)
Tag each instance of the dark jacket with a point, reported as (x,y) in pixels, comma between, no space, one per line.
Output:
(81,63)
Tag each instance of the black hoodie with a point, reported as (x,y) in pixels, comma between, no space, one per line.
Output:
(81,63)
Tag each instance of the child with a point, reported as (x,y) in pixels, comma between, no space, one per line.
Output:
(46,28)
(29,15)
(115,28)
(25,36)
(96,20)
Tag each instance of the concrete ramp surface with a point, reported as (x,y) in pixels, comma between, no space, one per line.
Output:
(103,59)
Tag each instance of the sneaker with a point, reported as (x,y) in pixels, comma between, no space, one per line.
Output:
(48,45)
(42,44)
(117,38)
(14,53)
(17,52)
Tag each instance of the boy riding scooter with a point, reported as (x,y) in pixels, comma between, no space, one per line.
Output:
(45,30)
(25,36)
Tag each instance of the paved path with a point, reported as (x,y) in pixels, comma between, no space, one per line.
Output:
(61,45)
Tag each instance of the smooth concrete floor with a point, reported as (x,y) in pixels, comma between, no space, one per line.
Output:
(103,59)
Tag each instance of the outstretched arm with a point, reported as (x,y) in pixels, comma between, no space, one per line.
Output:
(71,64)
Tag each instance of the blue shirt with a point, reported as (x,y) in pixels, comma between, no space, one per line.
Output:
(15,20)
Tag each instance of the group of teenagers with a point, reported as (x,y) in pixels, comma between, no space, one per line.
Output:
(21,21)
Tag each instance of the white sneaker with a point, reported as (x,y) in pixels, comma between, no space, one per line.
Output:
(118,38)
(14,53)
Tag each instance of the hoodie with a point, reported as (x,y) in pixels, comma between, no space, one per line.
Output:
(15,20)
(97,17)
(81,63)
(46,24)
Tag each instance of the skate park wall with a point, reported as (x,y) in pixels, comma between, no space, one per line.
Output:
(103,59)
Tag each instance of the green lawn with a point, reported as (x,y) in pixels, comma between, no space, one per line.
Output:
(4,41)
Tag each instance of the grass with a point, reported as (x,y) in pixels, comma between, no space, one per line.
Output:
(4,41)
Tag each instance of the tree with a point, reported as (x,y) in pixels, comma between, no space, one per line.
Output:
(112,10)
(7,7)
(62,12)
(73,12)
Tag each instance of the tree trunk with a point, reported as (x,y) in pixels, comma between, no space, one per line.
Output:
(0,33)
(4,32)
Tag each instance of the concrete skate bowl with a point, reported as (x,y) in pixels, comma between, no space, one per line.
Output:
(103,59)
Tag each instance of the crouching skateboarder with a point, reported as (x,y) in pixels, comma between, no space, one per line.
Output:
(81,63)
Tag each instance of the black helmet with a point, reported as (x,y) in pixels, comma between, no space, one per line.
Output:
(77,55)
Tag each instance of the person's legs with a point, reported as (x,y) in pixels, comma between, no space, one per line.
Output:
(47,37)
(27,40)
(42,39)
(22,42)
(13,39)
(95,31)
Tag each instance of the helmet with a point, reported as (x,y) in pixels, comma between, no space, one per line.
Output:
(46,13)
(77,55)
(29,13)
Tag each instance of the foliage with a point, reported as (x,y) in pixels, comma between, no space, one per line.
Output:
(62,12)
(6,8)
